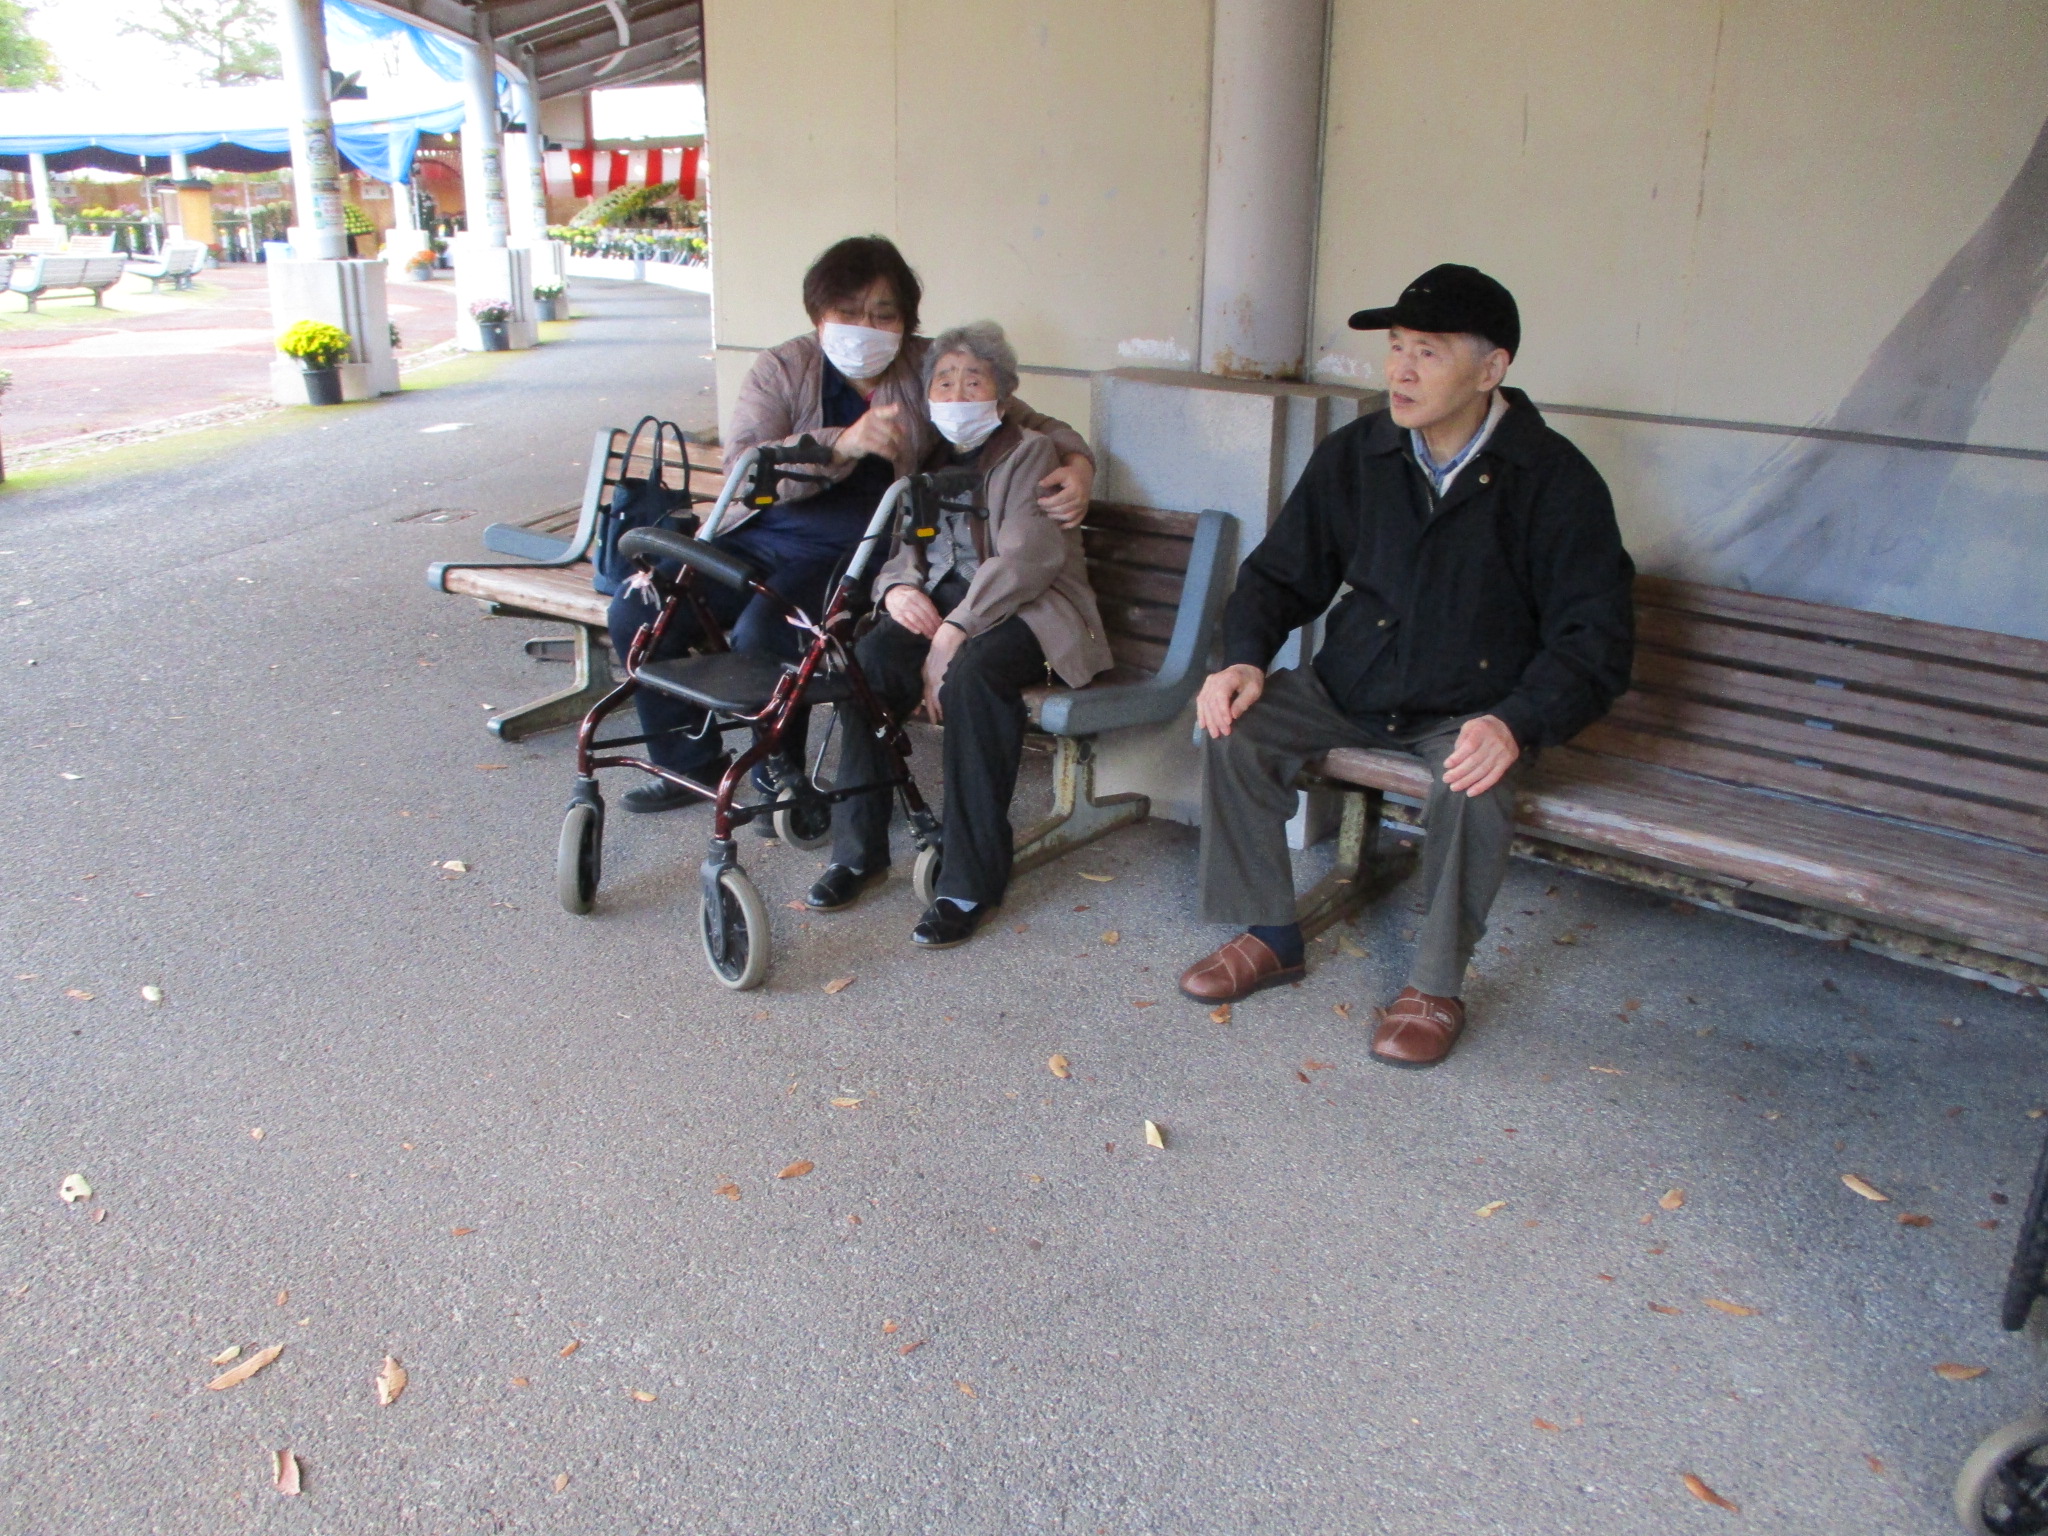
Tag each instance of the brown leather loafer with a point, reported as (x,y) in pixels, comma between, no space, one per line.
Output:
(1419,1030)
(1237,970)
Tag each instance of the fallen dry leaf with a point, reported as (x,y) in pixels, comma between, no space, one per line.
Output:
(1662,1310)
(912,1346)
(245,1370)
(78,993)
(1312,1065)
(1155,1135)
(1058,1065)
(1566,938)
(796,906)
(1346,946)
(1111,936)
(730,1191)
(491,767)
(1706,1495)
(74,1189)
(1914,1219)
(456,867)
(1342,1010)
(521,1381)
(256,1133)
(460,1231)
(284,1470)
(797,1169)
(1732,1308)
(846,1103)
(225,1355)
(1875,1465)
(645,1397)
(1491,1209)
(152,994)
(966,1390)
(1546,1426)
(1301,1077)
(1610,1071)
(1098,879)
(283,1297)
(838,985)
(1864,1189)
(391,1380)
(561,1481)
(569,1349)
(890,1325)
(1220,1014)
(1948,1370)
(99,1215)
(1672,1199)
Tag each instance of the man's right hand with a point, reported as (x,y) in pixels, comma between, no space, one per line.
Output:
(911,608)
(1227,695)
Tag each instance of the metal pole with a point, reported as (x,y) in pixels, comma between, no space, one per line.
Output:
(181,168)
(39,183)
(316,167)
(483,168)
(1265,124)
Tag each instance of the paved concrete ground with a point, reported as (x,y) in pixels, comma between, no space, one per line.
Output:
(490,1132)
(79,369)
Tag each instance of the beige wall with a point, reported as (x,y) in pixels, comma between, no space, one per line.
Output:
(1041,163)
(1704,208)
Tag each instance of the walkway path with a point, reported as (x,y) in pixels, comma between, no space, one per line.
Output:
(146,356)
(386,1107)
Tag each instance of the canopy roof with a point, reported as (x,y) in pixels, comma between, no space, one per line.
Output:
(577,45)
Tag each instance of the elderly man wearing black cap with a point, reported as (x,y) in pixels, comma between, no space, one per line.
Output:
(1488,614)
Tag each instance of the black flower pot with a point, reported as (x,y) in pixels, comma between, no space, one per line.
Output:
(554,307)
(496,338)
(323,386)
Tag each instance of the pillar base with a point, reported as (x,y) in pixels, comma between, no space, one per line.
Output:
(348,293)
(49,231)
(491,272)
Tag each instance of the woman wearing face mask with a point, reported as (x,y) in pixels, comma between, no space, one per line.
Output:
(854,383)
(996,602)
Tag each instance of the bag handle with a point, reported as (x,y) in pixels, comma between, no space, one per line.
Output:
(633,444)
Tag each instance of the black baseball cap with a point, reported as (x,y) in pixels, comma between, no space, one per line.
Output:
(1451,299)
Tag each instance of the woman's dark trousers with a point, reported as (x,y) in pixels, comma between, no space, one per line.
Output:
(982,700)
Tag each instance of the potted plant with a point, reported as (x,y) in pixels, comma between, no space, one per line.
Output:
(552,295)
(419,266)
(490,316)
(320,348)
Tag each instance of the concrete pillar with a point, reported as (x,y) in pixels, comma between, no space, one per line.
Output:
(525,191)
(181,167)
(483,168)
(322,231)
(1265,138)
(46,206)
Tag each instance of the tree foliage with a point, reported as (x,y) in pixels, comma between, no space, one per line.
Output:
(25,59)
(230,37)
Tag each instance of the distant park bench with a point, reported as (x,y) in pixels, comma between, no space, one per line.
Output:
(1874,780)
(1160,579)
(174,264)
(89,245)
(40,275)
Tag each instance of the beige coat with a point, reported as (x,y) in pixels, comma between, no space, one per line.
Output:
(1030,566)
(784,398)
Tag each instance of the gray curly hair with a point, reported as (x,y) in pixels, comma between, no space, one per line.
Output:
(983,340)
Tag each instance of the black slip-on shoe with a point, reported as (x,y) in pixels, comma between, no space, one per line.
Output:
(841,886)
(659,795)
(945,926)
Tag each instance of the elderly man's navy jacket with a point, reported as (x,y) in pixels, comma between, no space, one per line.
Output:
(1510,598)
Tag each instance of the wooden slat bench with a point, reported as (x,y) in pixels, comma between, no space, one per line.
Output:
(1875,780)
(553,581)
(40,275)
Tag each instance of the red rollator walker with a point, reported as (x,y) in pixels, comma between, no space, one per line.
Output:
(758,694)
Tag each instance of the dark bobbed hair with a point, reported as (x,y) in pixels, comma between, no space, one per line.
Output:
(850,268)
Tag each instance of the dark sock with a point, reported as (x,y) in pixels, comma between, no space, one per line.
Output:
(1284,939)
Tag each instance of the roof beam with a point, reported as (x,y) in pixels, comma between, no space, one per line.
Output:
(555,59)
(670,55)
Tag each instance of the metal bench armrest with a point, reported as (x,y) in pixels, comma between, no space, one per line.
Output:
(537,549)
(1110,707)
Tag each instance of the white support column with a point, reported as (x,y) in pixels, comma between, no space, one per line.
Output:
(181,167)
(486,268)
(526,192)
(46,206)
(1265,131)
(322,231)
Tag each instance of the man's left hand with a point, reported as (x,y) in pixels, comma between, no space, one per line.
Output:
(944,644)
(1063,494)
(1486,749)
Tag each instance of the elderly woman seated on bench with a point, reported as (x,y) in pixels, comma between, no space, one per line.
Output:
(997,601)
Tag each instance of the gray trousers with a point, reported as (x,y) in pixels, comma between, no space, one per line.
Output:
(1248,796)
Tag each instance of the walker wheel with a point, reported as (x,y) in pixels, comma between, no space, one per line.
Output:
(805,823)
(924,874)
(2003,1487)
(744,922)
(579,857)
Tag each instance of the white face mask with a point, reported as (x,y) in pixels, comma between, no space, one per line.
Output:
(966,423)
(859,351)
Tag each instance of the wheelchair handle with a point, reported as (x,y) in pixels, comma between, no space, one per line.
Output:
(724,566)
